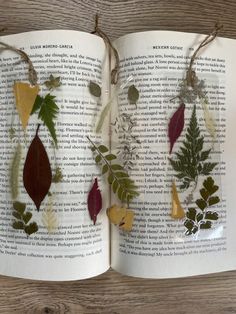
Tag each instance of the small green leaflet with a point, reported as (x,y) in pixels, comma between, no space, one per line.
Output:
(95,89)
(48,111)
(133,94)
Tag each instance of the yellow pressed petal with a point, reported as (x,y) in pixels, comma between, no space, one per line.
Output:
(177,210)
(25,96)
(116,214)
(127,222)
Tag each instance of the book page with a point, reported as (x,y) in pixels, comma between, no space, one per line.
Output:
(77,248)
(158,245)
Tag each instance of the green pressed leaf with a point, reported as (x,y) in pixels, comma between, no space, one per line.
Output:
(206,225)
(26,217)
(20,207)
(208,183)
(31,228)
(110,178)
(37,104)
(189,224)
(98,158)
(191,213)
(115,186)
(211,215)
(95,89)
(204,194)
(213,200)
(133,94)
(103,149)
(16,215)
(105,169)
(18,225)
(201,204)
(48,113)
(120,192)
(199,217)
(120,174)
(117,167)
(189,161)
(110,157)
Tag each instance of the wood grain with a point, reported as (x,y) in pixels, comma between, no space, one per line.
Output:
(112,293)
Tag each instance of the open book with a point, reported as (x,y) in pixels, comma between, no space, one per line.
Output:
(157,246)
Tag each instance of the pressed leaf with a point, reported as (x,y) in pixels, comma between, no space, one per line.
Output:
(16,215)
(37,104)
(31,228)
(116,214)
(14,172)
(49,218)
(37,175)
(176,125)
(110,157)
(213,200)
(20,207)
(120,177)
(94,201)
(177,211)
(26,217)
(110,178)
(189,224)
(103,116)
(104,169)
(199,217)
(95,89)
(25,96)
(209,120)
(103,148)
(191,213)
(127,222)
(53,82)
(120,174)
(201,204)
(48,113)
(205,224)
(98,158)
(121,217)
(117,167)
(211,215)
(188,163)
(133,94)
(115,186)
(58,176)
(18,225)
(204,194)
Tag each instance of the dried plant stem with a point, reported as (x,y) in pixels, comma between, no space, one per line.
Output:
(114,72)
(32,73)
(190,74)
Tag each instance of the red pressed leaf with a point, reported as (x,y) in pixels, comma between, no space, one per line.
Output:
(37,174)
(94,201)
(176,125)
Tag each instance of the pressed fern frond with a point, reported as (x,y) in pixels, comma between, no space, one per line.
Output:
(190,161)
(117,177)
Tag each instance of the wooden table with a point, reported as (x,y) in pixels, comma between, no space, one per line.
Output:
(111,292)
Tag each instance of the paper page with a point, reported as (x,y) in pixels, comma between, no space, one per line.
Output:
(157,246)
(77,249)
